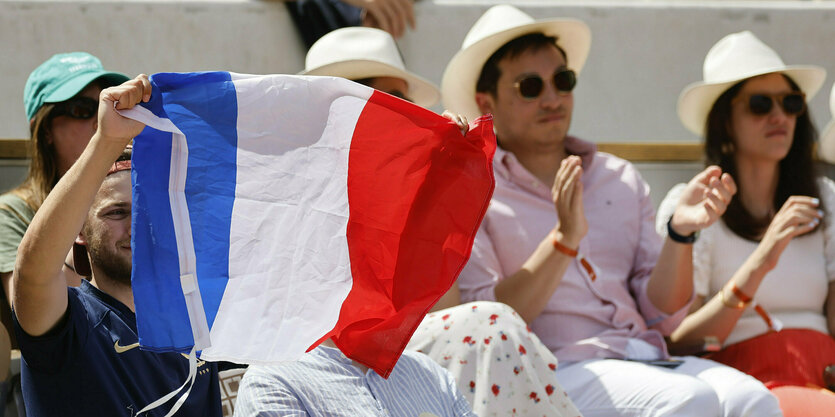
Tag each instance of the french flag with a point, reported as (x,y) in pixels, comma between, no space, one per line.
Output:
(273,212)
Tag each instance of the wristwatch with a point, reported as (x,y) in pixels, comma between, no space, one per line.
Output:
(677,237)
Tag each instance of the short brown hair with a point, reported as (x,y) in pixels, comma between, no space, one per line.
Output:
(490,72)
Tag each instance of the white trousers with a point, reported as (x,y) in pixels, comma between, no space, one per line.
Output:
(698,387)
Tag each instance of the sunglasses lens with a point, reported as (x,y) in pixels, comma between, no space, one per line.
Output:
(77,108)
(760,104)
(531,87)
(565,80)
(794,104)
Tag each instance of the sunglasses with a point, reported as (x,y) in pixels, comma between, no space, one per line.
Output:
(77,108)
(531,86)
(793,103)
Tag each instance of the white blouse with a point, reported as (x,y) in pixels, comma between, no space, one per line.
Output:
(794,292)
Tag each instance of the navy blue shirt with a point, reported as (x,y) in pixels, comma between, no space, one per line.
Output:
(91,366)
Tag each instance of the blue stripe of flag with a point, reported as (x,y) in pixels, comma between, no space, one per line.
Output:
(204,107)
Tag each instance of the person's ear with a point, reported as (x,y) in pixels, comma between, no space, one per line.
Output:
(486,102)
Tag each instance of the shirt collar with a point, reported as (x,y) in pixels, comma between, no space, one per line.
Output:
(118,306)
(509,166)
(333,353)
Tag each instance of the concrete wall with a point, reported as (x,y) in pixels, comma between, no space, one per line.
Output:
(643,52)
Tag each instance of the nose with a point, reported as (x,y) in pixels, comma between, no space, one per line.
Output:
(551,97)
(777,114)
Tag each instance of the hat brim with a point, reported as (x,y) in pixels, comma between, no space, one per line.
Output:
(421,91)
(74,86)
(826,148)
(696,100)
(461,75)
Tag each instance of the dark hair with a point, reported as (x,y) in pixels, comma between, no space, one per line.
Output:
(43,166)
(365,81)
(797,171)
(490,72)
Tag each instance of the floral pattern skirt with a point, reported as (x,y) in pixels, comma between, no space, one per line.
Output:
(501,366)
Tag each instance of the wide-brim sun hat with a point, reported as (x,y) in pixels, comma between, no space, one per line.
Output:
(358,53)
(63,76)
(496,27)
(734,58)
(826,150)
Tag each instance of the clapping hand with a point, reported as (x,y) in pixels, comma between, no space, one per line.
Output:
(704,200)
(567,194)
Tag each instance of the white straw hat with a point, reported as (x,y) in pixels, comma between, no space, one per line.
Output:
(826,151)
(734,58)
(359,52)
(496,27)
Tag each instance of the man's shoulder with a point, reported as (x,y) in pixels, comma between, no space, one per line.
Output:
(611,161)
(417,362)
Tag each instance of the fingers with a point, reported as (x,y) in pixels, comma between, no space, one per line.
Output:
(799,215)
(707,174)
(129,93)
(404,13)
(729,183)
(565,187)
(410,13)
(569,191)
(386,16)
(391,16)
(459,121)
(718,195)
(564,171)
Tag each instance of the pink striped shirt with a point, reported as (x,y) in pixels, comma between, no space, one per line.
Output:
(583,319)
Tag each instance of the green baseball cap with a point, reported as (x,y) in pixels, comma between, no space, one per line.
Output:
(62,77)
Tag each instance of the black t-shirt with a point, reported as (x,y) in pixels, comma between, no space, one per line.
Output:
(91,366)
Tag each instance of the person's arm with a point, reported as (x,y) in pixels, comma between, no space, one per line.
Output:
(39,287)
(718,316)
(529,289)
(703,201)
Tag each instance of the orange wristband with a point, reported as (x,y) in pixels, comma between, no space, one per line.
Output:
(741,295)
(564,249)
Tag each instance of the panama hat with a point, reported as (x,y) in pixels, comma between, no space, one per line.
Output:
(826,151)
(496,27)
(734,58)
(360,52)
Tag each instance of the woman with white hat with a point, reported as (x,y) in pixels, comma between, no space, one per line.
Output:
(764,274)
(465,339)
(826,151)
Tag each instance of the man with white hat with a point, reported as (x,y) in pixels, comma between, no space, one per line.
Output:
(569,240)
(369,56)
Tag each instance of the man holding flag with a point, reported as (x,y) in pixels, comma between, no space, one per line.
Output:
(79,345)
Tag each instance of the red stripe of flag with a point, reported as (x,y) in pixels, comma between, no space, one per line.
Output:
(417,192)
